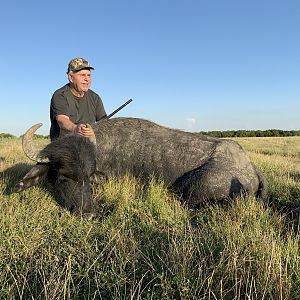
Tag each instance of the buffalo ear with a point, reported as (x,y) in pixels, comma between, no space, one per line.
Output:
(34,176)
(97,177)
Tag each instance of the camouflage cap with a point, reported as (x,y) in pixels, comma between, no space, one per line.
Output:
(77,64)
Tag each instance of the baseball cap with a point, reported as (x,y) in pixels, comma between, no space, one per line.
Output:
(77,64)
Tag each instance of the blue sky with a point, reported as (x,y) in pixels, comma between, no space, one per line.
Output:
(196,65)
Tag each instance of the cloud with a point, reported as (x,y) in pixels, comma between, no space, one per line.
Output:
(190,123)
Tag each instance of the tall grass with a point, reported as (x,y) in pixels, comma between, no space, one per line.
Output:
(147,245)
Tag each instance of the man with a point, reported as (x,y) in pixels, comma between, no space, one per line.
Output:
(75,105)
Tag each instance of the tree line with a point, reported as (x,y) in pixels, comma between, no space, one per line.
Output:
(215,133)
(252,133)
(11,136)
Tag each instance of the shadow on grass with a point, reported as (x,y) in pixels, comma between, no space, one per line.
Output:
(295,176)
(13,175)
(290,210)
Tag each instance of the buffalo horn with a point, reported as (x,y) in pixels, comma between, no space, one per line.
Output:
(28,147)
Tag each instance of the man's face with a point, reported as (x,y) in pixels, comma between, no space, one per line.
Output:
(81,80)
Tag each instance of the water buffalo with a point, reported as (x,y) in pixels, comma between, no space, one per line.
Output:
(196,167)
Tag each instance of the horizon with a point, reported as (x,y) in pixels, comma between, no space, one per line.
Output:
(209,131)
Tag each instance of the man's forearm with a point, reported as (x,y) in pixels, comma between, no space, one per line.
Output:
(65,123)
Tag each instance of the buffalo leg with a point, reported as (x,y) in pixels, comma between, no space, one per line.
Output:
(212,182)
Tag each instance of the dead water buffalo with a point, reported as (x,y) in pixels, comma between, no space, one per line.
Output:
(198,168)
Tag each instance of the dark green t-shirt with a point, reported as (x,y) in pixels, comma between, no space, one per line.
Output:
(87,109)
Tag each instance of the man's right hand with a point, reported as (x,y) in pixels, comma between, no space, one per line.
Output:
(84,130)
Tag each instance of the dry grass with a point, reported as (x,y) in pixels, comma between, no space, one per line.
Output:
(146,245)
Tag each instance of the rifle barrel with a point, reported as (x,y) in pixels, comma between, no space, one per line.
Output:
(115,111)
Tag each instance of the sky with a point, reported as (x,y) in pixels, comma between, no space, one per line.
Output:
(196,65)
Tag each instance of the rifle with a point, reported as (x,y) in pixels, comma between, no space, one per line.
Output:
(115,111)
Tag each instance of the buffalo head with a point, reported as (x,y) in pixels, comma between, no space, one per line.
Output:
(68,163)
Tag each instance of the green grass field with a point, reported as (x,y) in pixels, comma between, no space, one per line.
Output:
(146,245)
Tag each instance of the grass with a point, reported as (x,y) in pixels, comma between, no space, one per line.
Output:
(279,159)
(147,245)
